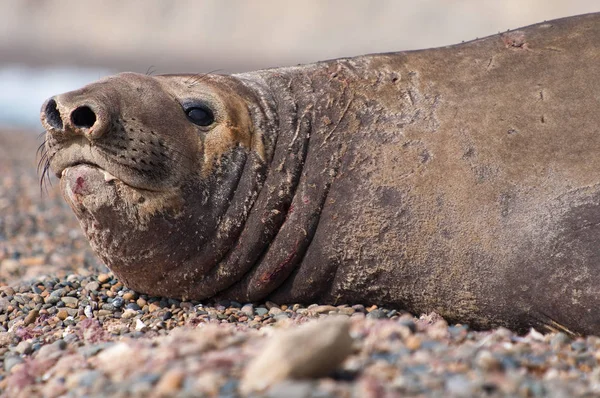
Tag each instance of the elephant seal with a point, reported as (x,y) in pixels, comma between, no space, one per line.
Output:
(463,180)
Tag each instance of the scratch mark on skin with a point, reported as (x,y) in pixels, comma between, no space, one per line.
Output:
(344,112)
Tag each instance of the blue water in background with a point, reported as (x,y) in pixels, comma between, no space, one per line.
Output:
(23,90)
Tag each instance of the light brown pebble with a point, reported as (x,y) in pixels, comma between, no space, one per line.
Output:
(31,317)
(129,313)
(129,296)
(62,315)
(170,382)
(103,278)
(141,302)
(70,302)
(325,344)
(153,307)
(92,286)
(275,311)
(323,309)
(412,342)
(346,311)
(104,312)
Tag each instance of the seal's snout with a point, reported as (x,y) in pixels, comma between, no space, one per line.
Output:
(66,115)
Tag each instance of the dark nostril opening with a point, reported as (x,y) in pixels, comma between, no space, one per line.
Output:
(53,115)
(83,117)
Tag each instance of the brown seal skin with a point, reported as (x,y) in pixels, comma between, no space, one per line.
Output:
(463,180)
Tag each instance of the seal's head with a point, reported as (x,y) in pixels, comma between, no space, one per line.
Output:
(147,161)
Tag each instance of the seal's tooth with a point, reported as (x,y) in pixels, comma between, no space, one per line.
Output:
(64,172)
(108,177)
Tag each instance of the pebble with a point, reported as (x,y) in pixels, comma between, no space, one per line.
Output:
(376,314)
(139,325)
(323,309)
(62,315)
(70,302)
(24,347)
(31,317)
(92,286)
(10,362)
(325,344)
(261,311)
(170,382)
(248,309)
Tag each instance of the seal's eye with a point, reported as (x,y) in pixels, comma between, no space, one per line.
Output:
(200,115)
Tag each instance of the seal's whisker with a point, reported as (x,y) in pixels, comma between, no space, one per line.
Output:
(198,77)
(45,176)
(150,71)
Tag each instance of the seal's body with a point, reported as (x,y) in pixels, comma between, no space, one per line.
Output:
(463,180)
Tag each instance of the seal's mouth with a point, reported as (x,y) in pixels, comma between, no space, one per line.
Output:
(107,176)
(92,175)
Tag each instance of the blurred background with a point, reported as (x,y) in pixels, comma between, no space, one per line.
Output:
(47,47)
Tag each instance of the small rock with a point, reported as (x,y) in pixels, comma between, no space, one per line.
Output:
(323,309)
(275,311)
(133,306)
(70,302)
(413,342)
(170,382)
(103,278)
(376,314)
(153,307)
(129,313)
(346,311)
(139,325)
(261,311)
(31,317)
(248,309)
(118,302)
(128,296)
(9,265)
(4,304)
(51,299)
(325,344)
(24,347)
(10,362)
(62,315)
(92,286)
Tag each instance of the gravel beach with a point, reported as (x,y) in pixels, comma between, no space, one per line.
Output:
(69,328)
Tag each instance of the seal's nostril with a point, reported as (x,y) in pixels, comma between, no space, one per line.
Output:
(53,115)
(83,117)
